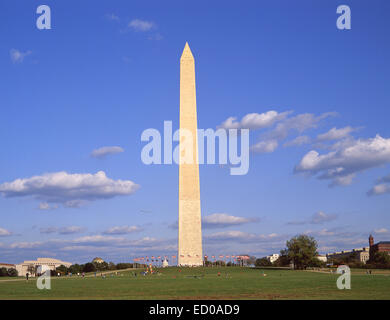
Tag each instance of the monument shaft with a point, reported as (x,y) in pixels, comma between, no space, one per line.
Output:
(190,228)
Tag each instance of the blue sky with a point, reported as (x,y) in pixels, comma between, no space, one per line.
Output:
(108,70)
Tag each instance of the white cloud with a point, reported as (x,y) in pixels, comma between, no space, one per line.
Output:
(321,217)
(48,230)
(342,164)
(382,186)
(141,25)
(220,220)
(71,230)
(269,140)
(104,151)
(323,232)
(4,232)
(266,146)
(298,123)
(46,206)
(242,236)
(68,189)
(25,245)
(18,56)
(63,230)
(254,121)
(298,141)
(379,189)
(123,230)
(336,134)
(317,218)
(381,231)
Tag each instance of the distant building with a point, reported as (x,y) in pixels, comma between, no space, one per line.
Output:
(7,266)
(97,260)
(322,257)
(383,246)
(33,266)
(358,255)
(272,258)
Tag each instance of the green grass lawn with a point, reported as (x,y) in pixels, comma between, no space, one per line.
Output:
(204,283)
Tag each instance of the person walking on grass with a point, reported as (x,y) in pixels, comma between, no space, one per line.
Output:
(27,276)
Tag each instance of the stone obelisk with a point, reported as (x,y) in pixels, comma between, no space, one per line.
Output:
(190,228)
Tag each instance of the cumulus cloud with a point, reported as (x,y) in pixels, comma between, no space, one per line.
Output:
(241,236)
(298,141)
(63,230)
(221,220)
(270,139)
(4,232)
(48,230)
(18,56)
(46,206)
(321,217)
(266,146)
(317,218)
(123,230)
(104,151)
(341,165)
(382,186)
(298,123)
(71,230)
(278,127)
(323,232)
(68,189)
(141,25)
(336,134)
(254,121)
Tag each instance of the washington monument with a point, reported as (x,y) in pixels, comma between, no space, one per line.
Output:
(190,228)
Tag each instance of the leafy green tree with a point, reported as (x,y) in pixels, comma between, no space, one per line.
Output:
(75,268)
(380,260)
(283,260)
(122,265)
(302,251)
(12,272)
(89,267)
(62,269)
(263,262)
(3,272)
(31,269)
(111,266)
(101,266)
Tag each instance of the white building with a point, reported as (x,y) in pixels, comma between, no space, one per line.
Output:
(32,266)
(322,258)
(272,258)
(359,254)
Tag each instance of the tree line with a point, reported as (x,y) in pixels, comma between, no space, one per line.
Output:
(302,250)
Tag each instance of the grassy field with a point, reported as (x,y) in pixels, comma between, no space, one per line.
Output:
(205,283)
